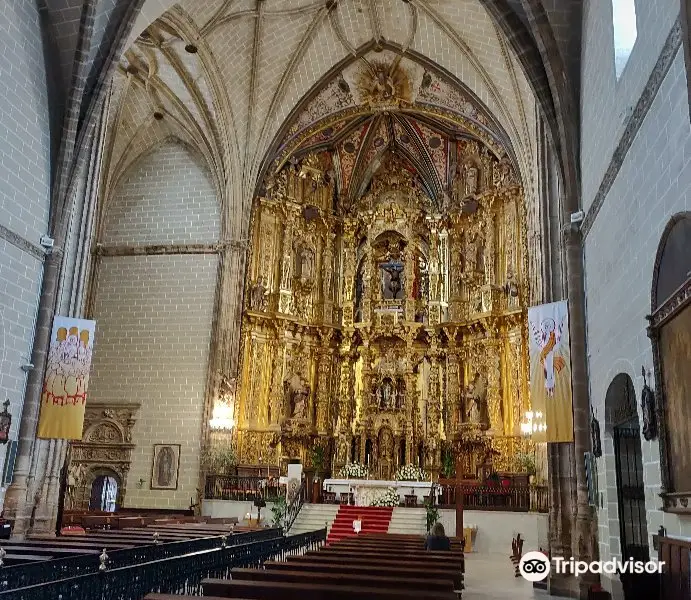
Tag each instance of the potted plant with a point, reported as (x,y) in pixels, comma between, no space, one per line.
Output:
(431,515)
(317,457)
(448,465)
(279,510)
(525,463)
(219,460)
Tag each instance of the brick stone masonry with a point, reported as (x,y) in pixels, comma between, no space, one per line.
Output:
(24,193)
(154,314)
(653,184)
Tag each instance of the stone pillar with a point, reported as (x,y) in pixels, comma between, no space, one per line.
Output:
(584,541)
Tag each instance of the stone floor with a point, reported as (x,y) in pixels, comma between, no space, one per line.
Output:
(490,576)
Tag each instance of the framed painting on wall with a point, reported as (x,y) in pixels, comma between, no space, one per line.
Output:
(165,467)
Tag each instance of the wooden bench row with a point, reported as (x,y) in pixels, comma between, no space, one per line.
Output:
(93,542)
(367,568)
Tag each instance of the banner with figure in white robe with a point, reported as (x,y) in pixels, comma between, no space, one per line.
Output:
(550,370)
(63,400)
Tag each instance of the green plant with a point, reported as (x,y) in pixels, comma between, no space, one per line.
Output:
(432,515)
(317,456)
(279,510)
(448,465)
(525,463)
(219,460)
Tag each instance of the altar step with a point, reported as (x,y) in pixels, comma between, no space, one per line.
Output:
(313,517)
(408,520)
(374,519)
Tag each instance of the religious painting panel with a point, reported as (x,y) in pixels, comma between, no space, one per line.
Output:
(675,346)
(165,467)
(66,381)
(670,333)
(550,372)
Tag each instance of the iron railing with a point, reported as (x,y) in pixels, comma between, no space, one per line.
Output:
(172,575)
(513,498)
(295,505)
(34,573)
(231,487)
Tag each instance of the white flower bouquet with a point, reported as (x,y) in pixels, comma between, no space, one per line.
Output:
(410,473)
(388,498)
(353,471)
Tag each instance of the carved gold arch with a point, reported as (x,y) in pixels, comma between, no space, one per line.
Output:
(105,449)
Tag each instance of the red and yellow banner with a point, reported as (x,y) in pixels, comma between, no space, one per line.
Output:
(550,371)
(63,400)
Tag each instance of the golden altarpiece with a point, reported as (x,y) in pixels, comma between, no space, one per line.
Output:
(383,325)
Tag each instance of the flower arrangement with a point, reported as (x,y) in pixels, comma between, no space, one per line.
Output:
(410,473)
(388,498)
(353,471)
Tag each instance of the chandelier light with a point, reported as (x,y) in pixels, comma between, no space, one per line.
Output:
(222,418)
(534,422)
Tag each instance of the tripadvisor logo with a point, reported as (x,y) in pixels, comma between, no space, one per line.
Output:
(535,566)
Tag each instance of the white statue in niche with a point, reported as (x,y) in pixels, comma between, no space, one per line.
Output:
(306,263)
(476,397)
(471,180)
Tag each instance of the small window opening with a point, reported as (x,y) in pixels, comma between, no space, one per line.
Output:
(625,32)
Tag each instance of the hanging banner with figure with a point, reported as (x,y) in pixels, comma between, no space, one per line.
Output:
(67,379)
(550,372)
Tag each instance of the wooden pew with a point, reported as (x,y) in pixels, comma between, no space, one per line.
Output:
(422,556)
(380,581)
(271,590)
(20,559)
(368,569)
(383,562)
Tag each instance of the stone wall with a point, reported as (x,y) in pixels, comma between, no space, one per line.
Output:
(24,194)
(652,184)
(608,103)
(154,314)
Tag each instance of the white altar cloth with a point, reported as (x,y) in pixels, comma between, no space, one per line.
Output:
(365,491)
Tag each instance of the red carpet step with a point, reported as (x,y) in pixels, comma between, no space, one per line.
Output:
(374,519)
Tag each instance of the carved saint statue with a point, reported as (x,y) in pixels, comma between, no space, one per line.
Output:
(296,394)
(258,295)
(387,394)
(471,178)
(457,185)
(286,273)
(476,397)
(596,440)
(648,409)
(75,478)
(306,263)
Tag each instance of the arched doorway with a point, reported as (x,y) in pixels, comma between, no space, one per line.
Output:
(623,425)
(104,493)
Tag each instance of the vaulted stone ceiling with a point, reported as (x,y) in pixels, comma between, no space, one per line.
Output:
(225,76)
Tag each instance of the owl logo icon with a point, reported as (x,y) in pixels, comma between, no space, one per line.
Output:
(534,566)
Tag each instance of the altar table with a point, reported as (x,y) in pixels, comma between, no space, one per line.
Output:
(365,491)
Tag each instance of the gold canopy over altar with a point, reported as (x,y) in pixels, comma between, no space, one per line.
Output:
(385,304)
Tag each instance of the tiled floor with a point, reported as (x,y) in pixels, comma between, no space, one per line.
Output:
(490,576)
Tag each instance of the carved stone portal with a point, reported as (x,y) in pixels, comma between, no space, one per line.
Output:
(105,450)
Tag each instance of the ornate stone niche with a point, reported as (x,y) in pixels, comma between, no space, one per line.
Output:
(105,449)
